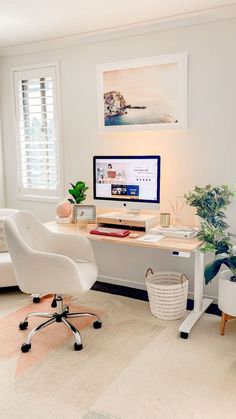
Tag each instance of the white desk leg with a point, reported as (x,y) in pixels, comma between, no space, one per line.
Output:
(200,303)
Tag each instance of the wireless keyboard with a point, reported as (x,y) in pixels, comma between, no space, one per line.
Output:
(110,231)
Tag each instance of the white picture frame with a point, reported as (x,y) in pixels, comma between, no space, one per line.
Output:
(143,94)
(89,211)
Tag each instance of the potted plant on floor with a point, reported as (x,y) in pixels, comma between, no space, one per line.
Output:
(211,203)
(78,193)
(227,284)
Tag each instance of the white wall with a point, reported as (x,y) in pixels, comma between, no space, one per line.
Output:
(2,195)
(204,154)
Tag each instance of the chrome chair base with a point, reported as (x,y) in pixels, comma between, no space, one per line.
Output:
(61,315)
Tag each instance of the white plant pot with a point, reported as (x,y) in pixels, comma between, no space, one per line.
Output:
(227,293)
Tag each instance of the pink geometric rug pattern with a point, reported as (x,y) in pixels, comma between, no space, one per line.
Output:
(45,341)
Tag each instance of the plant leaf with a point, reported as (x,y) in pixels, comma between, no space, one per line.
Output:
(232,264)
(212,268)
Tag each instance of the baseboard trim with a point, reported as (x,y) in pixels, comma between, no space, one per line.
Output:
(10,288)
(114,280)
(140,294)
(137,294)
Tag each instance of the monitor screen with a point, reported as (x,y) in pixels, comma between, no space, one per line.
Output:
(127,178)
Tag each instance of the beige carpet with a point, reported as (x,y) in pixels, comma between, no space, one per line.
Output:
(178,379)
(64,383)
(135,367)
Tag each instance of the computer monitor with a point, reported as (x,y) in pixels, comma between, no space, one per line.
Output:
(132,182)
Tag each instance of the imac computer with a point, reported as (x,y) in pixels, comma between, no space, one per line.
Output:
(129,182)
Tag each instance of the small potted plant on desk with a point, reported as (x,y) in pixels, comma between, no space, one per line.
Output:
(211,202)
(78,194)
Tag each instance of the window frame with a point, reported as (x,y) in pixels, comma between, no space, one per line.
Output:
(32,194)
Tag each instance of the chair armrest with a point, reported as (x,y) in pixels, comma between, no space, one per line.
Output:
(73,246)
(52,273)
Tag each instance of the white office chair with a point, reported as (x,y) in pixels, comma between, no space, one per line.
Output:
(48,262)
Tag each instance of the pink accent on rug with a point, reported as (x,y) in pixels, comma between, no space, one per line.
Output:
(45,341)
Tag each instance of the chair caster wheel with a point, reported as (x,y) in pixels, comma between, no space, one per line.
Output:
(78,347)
(25,347)
(66,309)
(184,335)
(97,324)
(23,325)
(54,303)
(36,300)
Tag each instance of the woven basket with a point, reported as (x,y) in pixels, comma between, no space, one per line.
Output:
(167,293)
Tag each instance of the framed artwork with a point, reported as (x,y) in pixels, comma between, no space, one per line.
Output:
(148,93)
(89,211)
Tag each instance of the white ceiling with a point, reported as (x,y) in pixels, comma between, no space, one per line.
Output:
(23,21)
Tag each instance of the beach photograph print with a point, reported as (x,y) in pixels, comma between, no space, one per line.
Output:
(143,96)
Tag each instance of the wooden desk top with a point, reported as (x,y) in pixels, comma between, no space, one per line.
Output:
(167,243)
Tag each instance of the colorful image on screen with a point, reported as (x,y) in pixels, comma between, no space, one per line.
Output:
(127,178)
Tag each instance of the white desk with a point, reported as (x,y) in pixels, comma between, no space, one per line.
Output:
(167,243)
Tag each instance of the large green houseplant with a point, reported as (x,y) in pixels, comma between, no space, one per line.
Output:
(211,203)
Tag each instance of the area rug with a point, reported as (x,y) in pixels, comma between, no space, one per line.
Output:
(54,381)
(44,341)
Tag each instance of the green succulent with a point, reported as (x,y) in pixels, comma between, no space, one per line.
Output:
(78,192)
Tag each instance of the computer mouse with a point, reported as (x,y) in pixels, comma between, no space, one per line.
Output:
(133,235)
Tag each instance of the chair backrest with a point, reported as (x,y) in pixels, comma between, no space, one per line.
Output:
(24,233)
(41,261)
(30,229)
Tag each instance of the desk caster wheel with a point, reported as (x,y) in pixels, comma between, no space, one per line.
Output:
(97,325)
(184,335)
(25,347)
(78,347)
(36,300)
(23,325)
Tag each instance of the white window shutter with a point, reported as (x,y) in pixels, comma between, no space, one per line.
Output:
(37,133)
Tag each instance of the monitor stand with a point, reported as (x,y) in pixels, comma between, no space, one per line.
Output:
(142,222)
(131,213)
